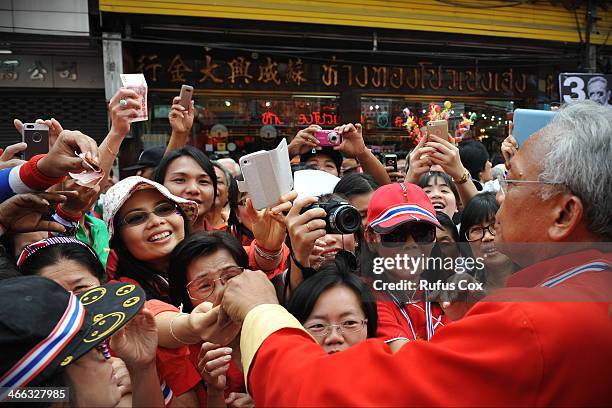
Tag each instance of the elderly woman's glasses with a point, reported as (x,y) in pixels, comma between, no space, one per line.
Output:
(203,287)
(347,326)
(163,210)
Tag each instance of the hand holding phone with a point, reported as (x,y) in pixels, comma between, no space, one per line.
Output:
(438,128)
(36,136)
(186,96)
(391,161)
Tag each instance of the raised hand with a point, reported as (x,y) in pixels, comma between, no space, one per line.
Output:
(121,112)
(26,212)
(8,159)
(352,144)
(136,343)
(181,119)
(62,159)
(304,229)
(269,224)
(304,141)
(213,363)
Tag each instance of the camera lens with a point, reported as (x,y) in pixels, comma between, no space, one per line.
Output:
(36,137)
(332,137)
(345,219)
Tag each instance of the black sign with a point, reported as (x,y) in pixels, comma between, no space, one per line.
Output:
(578,87)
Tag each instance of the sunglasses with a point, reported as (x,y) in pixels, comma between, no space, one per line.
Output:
(163,210)
(420,232)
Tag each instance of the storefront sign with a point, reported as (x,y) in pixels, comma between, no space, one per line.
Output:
(219,70)
(30,71)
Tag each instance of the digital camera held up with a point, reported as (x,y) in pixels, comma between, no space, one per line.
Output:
(341,218)
(328,138)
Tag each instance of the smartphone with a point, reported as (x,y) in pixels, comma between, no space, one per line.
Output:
(529,121)
(438,128)
(186,96)
(36,136)
(391,160)
(267,175)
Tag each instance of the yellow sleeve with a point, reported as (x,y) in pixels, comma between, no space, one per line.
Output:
(261,322)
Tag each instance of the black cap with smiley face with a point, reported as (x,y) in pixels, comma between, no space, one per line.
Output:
(44,328)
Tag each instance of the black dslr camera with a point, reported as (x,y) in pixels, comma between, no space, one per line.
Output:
(342,218)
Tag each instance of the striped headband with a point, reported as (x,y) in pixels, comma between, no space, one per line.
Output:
(402,210)
(34,247)
(41,355)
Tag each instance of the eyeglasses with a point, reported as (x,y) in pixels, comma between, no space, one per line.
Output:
(478,233)
(201,288)
(164,210)
(504,182)
(347,326)
(420,232)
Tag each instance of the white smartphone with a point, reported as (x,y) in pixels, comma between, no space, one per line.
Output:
(267,175)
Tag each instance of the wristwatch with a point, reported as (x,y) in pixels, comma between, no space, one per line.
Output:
(463,178)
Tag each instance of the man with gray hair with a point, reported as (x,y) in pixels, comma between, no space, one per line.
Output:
(544,340)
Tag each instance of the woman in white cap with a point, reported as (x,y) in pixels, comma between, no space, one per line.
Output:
(145,222)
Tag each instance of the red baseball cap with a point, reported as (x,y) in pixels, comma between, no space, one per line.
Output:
(395,204)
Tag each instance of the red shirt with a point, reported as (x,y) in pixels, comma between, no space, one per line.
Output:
(174,365)
(525,345)
(184,371)
(410,321)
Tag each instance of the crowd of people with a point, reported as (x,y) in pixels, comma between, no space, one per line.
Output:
(169,288)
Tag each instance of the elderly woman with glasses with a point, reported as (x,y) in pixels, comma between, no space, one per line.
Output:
(478,230)
(201,265)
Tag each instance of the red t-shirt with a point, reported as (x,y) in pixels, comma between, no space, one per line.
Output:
(410,321)
(174,365)
(175,369)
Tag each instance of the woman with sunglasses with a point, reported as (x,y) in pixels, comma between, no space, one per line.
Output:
(401,221)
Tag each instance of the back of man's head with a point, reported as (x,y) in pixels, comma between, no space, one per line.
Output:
(474,157)
(580,158)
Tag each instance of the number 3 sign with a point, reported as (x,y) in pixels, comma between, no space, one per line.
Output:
(578,87)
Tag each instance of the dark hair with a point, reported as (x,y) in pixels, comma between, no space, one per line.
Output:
(448,180)
(496,159)
(482,207)
(335,155)
(195,154)
(448,224)
(302,166)
(234,226)
(474,157)
(52,254)
(354,184)
(228,176)
(130,267)
(191,248)
(332,274)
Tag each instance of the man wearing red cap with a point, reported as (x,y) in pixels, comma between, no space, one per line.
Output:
(401,219)
(544,340)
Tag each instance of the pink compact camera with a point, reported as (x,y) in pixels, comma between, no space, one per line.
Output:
(328,137)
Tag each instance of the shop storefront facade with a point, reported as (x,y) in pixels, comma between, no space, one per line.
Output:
(261,72)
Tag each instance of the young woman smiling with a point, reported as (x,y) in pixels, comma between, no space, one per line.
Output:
(145,222)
